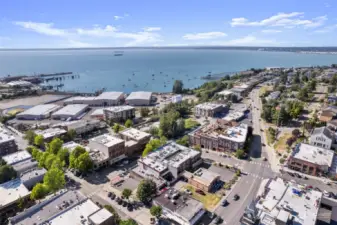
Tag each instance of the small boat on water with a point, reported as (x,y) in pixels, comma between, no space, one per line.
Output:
(118,53)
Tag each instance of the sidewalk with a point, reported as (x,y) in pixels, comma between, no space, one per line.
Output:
(322,179)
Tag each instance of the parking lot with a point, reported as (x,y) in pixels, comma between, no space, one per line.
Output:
(225,174)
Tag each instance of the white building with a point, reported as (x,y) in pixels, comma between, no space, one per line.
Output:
(50,133)
(16,157)
(119,113)
(139,98)
(7,143)
(208,109)
(176,98)
(20,83)
(70,112)
(280,202)
(38,112)
(322,137)
(104,99)
(31,177)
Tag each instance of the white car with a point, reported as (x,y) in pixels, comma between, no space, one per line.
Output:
(326,194)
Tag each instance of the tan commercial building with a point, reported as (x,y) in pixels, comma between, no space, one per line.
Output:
(202,179)
(208,109)
(135,140)
(220,136)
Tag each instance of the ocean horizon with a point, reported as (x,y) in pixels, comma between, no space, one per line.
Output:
(146,69)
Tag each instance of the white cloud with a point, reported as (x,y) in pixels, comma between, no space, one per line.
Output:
(327,29)
(149,29)
(42,28)
(118,17)
(78,44)
(327,5)
(270,31)
(287,20)
(204,36)
(249,40)
(109,31)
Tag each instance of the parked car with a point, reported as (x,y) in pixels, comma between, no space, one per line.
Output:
(109,194)
(188,192)
(125,204)
(317,189)
(217,220)
(236,197)
(224,203)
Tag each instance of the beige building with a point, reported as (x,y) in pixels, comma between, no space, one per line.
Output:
(208,109)
(119,113)
(202,179)
(135,140)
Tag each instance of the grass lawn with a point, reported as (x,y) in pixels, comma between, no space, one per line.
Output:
(270,139)
(281,145)
(209,200)
(264,89)
(190,123)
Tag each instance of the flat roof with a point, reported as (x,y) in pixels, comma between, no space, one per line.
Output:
(71,110)
(76,214)
(100,216)
(111,95)
(208,106)
(279,196)
(72,145)
(5,136)
(205,176)
(12,191)
(184,205)
(232,116)
(118,108)
(97,112)
(313,154)
(225,92)
(139,95)
(40,110)
(51,132)
(16,157)
(80,98)
(135,134)
(107,140)
(36,172)
(48,208)
(24,165)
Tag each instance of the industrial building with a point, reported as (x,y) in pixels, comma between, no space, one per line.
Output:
(135,140)
(180,207)
(220,136)
(97,114)
(31,177)
(10,193)
(119,113)
(168,162)
(311,159)
(139,98)
(64,207)
(7,143)
(50,133)
(106,150)
(104,99)
(281,202)
(70,112)
(208,109)
(17,157)
(38,112)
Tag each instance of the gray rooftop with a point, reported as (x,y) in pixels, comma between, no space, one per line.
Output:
(48,208)
(139,95)
(40,110)
(16,157)
(111,95)
(11,191)
(30,174)
(323,130)
(71,110)
(5,136)
(25,165)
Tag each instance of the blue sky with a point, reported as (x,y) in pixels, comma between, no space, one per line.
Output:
(111,23)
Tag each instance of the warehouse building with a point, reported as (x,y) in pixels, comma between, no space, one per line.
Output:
(70,112)
(38,112)
(119,113)
(139,98)
(50,133)
(7,143)
(104,99)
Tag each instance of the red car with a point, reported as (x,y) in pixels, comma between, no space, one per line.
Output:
(309,187)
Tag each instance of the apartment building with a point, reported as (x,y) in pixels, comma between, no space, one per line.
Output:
(208,109)
(7,143)
(322,137)
(119,113)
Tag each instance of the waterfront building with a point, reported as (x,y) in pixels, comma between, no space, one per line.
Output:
(180,207)
(208,109)
(38,112)
(220,136)
(139,98)
(70,112)
(104,99)
(311,160)
(7,143)
(119,113)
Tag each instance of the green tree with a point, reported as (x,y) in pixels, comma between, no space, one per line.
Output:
(168,124)
(7,173)
(146,189)
(54,179)
(128,222)
(128,123)
(84,163)
(36,153)
(116,128)
(71,134)
(39,141)
(63,155)
(21,203)
(38,192)
(55,145)
(144,112)
(30,136)
(49,161)
(154,131)
(42,159)
(75,154)
(197,147)
(150,146)
(178,87)
(156,211)
(116,217)
(297,79)
(57,163)
(183,141)
(267,113)
(126,193)
(240,154)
